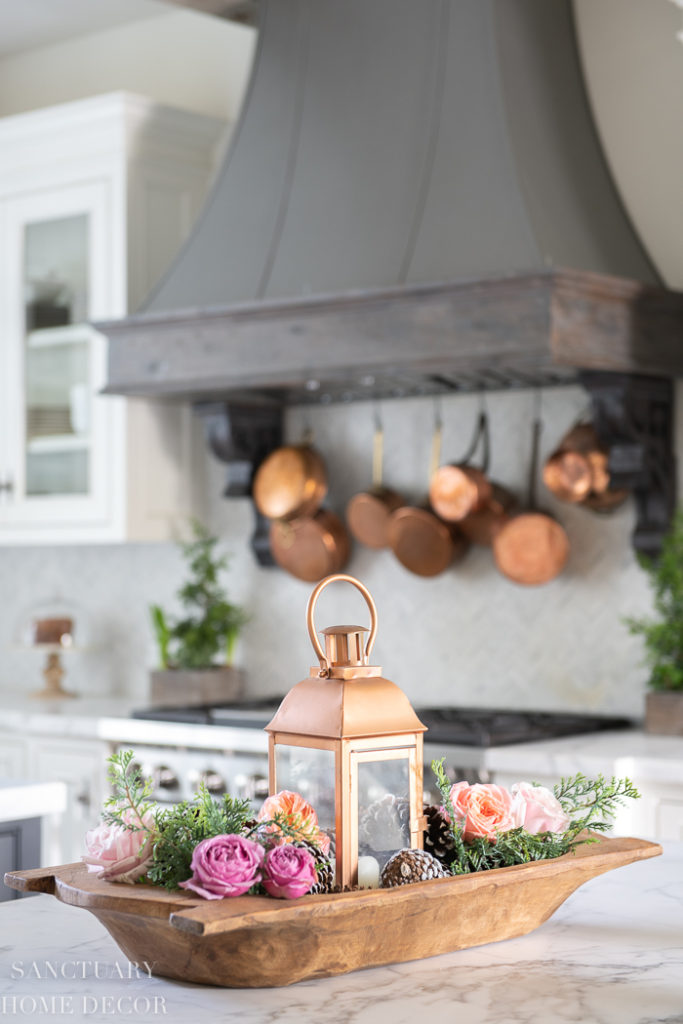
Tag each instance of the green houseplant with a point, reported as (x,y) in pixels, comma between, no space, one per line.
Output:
(196,649)
(663,634)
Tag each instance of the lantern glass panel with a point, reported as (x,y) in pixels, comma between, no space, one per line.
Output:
(383,808)
(310,772)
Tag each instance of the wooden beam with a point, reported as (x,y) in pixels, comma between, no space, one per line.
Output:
(526,325)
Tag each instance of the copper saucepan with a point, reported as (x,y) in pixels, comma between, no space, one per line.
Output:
(457,490)
(290,482)
(368,512)
(423,543)
(578,466)
(310,547)
(483,526)
(532,547)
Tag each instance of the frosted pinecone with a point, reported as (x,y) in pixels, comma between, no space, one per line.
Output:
(385,824)
(409,866)
(438,838)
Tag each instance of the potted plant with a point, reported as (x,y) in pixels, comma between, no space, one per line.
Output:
(663,635)
(196,650)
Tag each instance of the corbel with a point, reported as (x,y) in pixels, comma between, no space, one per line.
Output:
(241,434)
(634,418)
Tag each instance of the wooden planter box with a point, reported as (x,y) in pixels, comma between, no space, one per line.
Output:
(182,687)
(257,941)
(664,713)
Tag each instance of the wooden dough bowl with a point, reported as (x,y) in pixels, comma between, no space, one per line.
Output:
(257,941)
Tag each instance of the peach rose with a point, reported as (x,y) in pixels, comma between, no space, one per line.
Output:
(300,815)
(482,810)
(538,810)
(120,854)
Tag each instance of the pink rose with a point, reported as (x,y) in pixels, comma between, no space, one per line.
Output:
(120,854)
(289,872)
(482,810)
(538,810)
(225,866)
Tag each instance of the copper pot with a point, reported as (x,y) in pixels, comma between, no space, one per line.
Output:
(310,547)
(290,482)
(422,542)
(367,513)
(532,547)
(457,490)
(578,466)
(483,526)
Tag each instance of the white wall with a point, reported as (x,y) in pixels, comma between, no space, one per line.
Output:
(183,58)
(633,64)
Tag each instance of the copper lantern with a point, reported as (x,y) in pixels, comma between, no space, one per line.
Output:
(348,740)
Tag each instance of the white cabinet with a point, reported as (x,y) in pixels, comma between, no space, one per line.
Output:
(95,199)
(81,764)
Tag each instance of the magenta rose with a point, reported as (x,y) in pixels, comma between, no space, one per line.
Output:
(120,854)
(537,809)
(225,866)
(289,872)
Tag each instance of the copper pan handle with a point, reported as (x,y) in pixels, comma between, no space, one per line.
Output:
(312,601)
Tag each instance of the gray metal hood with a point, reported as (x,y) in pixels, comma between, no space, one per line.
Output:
(415,198)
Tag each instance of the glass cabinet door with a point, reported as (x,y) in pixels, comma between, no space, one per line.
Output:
(57,258)
(56,357)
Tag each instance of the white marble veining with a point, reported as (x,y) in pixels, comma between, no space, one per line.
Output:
(612,954)
(19,800)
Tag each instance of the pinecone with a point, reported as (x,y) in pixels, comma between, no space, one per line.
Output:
(408,866)
(385,824)
(437,835)
(324,868)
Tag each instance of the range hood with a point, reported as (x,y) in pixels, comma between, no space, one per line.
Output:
(414,200)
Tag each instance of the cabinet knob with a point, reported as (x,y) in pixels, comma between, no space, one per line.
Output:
(7,486)
(214,782)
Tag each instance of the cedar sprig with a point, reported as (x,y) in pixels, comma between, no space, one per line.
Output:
(129,793)
(591,802)
(181,827)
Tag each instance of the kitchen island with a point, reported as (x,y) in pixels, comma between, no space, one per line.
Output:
(612,954)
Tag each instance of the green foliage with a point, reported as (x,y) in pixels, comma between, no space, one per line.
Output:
(181,827)
(130,793)
(206,634)
(585,801)
(663,635)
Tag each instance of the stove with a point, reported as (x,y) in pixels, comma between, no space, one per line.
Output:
(469,727)
(461,735)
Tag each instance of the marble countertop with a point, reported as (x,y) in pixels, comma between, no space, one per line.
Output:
(630,752)
(20,800)
(612,954)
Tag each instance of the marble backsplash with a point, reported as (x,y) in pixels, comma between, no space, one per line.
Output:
(466,637)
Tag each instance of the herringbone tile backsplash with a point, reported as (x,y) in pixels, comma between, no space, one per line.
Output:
(466,637)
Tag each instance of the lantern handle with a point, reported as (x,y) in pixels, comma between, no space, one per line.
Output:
(317,646)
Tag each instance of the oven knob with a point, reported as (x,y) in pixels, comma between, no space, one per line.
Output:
(258,785)
(164,778)
(214,782)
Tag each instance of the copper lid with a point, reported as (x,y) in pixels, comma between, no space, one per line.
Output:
(420,541)
(290,482)
(455,491)
(368,515)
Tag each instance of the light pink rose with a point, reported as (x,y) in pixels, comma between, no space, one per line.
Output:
(226,865)
(289,872)
(120,854)
(538,810)
(482,810)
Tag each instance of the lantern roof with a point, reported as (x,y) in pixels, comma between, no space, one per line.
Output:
(353,708)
